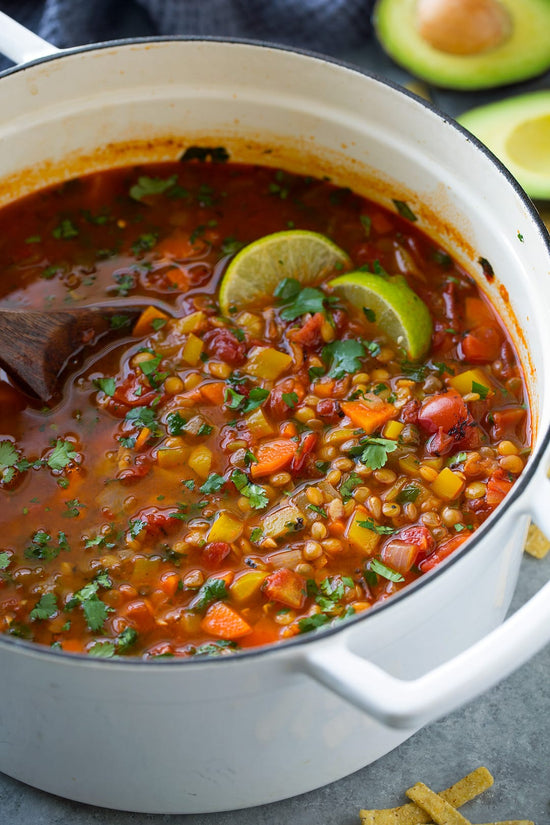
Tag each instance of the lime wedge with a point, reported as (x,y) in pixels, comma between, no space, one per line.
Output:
(257,269)
(394,307)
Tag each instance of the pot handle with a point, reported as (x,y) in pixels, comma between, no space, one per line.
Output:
(398,703)
(20,44)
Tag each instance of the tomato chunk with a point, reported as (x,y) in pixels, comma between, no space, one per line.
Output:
(287,587)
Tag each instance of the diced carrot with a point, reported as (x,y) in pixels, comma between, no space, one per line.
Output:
(144,324)
(336,528)
(369,415)
(223,621)
(498,487)
(324,388)
(288,429)
(169,582)
(72,645)
(273,456)
(142,437)
(213,392)
(178,246)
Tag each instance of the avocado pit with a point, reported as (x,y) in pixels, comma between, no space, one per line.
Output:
(463,27)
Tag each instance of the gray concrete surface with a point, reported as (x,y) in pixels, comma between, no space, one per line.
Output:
(507,729)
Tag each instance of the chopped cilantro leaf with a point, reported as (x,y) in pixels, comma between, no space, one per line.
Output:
(106,385)
(151,186)
(481,389)
(409,493)
(8,455)
(373,452)
(290,399)
(211,591)
(45,608)
(62,455)
(386,572)
(253,492)
(318,510)
(349,485)
(256,534)
(300,300)
(213,483)
(65,231)
(141,416)
(175,423)
(381,529)
(344,357)
(405,210)
(4,560)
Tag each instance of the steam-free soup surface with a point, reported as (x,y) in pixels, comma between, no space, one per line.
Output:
(212,483)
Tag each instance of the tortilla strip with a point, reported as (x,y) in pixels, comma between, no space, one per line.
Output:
(537,544)
(410,814)
(439,810)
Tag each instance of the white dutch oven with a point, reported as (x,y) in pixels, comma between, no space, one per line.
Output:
(202,736)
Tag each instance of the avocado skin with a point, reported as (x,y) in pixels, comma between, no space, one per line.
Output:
(525,54)
(517,131)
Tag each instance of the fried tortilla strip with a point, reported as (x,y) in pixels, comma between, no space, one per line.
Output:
(537,544)
(440,811)
(458,794)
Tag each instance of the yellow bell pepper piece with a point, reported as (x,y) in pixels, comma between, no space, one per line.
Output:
(448,485)
(267,363)
(258,424)
(247,585)
(190,323)
(172,457)
(200,461)
(192,350)
(464,382)
(227,527)
(362,538)
(392,430)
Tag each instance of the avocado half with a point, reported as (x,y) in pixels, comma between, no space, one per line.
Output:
(517,130)
(525,53)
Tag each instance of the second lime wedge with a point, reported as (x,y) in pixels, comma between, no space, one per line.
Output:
(392,305)
(256,270)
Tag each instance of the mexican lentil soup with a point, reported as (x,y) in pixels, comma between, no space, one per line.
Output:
(216,482)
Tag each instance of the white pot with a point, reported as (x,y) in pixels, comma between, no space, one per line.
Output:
(199,736)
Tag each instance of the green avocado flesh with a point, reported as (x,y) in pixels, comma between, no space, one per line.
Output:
(517,130)
(525,53)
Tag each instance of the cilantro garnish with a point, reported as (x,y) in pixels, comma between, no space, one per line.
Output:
(298,300)
(309,623)
(106,385)
(290,399)
(8,455)
(141,416)
(73,508)
(136,526)
(144,243)
(62,455)
(65,231)
(95,611)
(230,245)
(405,210)
(366,223)
(211,591)
(253,492)
(245,403)
(4,560)
(381,569)
(213,483)
(481,389)
(343,357)
(217,648)
(373,452)
(42,547)
(175,423)
(318,510)
(349,485)
(151,186)
(381,529)
(45,608)
(409,493)
(125,282)
(256,534)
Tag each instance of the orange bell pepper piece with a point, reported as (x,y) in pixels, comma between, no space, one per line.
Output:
(369,415)
(144,324)
(223,621)
(273,456)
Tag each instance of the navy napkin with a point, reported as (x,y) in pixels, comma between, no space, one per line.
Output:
(321,25)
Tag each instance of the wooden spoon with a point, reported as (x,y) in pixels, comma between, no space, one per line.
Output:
(36,348)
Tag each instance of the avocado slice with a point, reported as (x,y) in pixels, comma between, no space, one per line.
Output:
(517,130)
(523,50)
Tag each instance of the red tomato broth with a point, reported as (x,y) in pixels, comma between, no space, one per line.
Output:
(110,547)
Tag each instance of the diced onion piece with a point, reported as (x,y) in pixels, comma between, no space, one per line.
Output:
(279,522)
(399,555)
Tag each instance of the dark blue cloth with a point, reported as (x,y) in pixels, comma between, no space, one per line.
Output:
(321,25)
